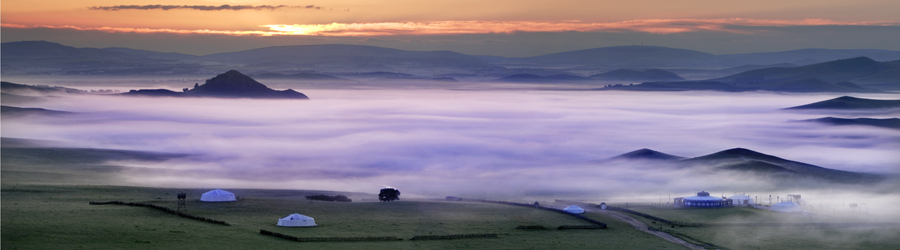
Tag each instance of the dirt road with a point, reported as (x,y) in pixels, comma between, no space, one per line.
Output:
(643,227)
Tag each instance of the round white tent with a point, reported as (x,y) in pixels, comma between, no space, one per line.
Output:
(574,209)
(786,207)
(741,200)
(217,195)
(296,220)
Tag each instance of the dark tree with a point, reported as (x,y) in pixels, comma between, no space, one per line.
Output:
(389,194)
(196,85)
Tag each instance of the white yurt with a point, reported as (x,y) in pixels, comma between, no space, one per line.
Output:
(296,220)
(786,207)
(741,200)
(703,200)
(217,195)
(574,209)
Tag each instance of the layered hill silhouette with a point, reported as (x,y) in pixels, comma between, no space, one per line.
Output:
(839,76)
(36,90)
(893,123)
(653,56)
(849,102)
(10,111)
(745,161)
(853,70)
(350,58)
(41,58)
(637,75)
(231,84)
(532,78)
(299,76)
(622,57)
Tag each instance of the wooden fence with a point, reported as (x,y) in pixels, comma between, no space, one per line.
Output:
(164,209)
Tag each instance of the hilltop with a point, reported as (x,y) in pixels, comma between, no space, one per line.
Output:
(849,102)
(645,154)
(231,84)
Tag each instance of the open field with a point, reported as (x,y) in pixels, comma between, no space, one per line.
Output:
(787,237)
(59,217)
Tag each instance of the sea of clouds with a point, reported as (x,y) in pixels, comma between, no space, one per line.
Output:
(438,142)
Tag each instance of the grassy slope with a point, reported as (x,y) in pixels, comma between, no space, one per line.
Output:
(59,217)
(775,237)
(45,194)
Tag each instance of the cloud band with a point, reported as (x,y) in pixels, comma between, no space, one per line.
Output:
(654,26)
(202,7)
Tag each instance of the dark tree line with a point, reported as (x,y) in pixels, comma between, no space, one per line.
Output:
(322,197)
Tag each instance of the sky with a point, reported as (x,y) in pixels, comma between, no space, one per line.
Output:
(502,28)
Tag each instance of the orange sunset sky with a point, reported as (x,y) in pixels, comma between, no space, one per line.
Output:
(506,28)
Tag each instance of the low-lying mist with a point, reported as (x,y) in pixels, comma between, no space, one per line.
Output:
(486,144)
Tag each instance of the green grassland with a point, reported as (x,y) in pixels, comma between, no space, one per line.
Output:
(770,237)
(59,217)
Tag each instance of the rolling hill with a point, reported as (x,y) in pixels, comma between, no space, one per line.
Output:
(893,123)
(745,161)
(749,161)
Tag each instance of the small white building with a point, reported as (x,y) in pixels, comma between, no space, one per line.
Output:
(296,220)
(741,200)
(217,195)
(574,209)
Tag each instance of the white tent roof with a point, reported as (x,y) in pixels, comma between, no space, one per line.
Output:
(574,209)
(786,207)
(703,198)
(739,197)
(217,195)
(296,220)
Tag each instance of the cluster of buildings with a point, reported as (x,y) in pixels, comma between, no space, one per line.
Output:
(704,200)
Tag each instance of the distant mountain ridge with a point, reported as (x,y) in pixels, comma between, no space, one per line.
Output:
(654,56)
(41,57)
(840,76)
(350,58)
